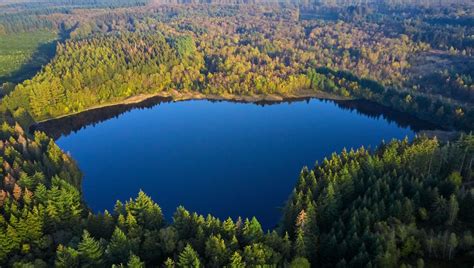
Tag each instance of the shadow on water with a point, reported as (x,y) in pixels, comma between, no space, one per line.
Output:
(73,123)
(375,110)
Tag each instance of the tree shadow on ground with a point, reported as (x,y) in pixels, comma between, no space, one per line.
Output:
(43,54)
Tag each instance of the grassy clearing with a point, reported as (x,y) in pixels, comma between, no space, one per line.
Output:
(23,54)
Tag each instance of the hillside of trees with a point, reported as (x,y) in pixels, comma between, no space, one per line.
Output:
(251,50)
(403,204)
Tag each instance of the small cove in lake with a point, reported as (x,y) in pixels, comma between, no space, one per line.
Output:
(218,157)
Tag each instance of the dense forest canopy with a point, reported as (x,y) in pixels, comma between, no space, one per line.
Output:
(407,203)
(246,50)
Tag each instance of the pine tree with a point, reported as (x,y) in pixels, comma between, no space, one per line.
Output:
(147,213)
(119,248)
(215,251)
(188,258)
(34,224)
(452,244)
(300,262)
(7,243)
(134,262)
(90,251)
(453,209)
(299,247)
(236,261)
(257,254)
(66,257)
(169,263)
(286,246)
(229,228)
(252,231)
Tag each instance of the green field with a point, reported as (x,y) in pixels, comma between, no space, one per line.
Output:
(23,54)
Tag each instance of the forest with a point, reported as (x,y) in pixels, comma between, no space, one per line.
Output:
(254,51)
(403,204)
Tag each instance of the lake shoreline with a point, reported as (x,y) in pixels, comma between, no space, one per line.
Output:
(147,100)
(161,144)
(176,96)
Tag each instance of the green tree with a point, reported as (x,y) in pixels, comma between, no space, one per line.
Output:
(299,247)
(135,262)
(66,257)
(300,262)
(188,258)
(118,249)
(453,209)
(146,212)
(236,261)
(252,231)
(216,251)
(257,254)
(169,263)
(90,251)
(452,244)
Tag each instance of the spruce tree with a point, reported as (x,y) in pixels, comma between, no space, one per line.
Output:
(135,262)
(188,258)
(119,248)
(90,251)
(169,263)
(236,261)
(66,257)
(252,231)
(215,251)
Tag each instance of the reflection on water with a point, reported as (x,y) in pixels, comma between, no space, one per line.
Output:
(374,110)
(65,125)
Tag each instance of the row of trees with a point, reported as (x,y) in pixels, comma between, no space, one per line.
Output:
(23,22)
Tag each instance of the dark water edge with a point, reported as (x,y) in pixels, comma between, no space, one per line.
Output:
(64,126)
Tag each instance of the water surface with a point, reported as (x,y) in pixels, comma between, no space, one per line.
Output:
(223,158)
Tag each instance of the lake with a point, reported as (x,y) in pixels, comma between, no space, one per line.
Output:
(224,158)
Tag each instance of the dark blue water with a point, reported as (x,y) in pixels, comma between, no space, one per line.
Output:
(223,158)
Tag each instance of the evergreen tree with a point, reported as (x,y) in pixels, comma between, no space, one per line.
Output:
(169,263)
(299,247)
(90,251)
(119,248)
(236,261)
(189,258)
(66,257)
(134,262)
(300,262)
(452,244)
(216,251)
(252,230)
